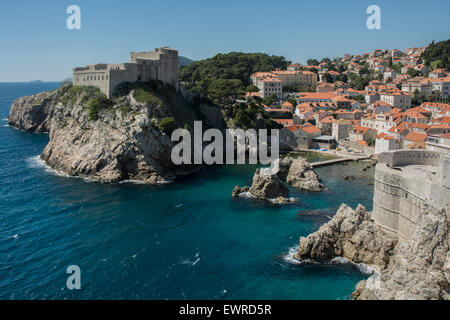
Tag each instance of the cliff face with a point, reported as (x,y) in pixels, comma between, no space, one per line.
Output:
(33,113)
(418,268)
(112,141)
(350,234)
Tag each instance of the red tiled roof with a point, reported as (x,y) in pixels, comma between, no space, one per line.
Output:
(416,137)
(294,127)
(328,119)
(311,129)
(316,95)
(284,122)
(385,137)
(362,142)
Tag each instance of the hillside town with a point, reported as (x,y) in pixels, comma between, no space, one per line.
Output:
(358,104)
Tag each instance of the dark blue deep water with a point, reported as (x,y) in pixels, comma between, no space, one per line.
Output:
(184,241)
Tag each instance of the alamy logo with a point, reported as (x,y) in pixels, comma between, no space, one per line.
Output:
(247,141)
(373,21)
(74,280)
(73,22)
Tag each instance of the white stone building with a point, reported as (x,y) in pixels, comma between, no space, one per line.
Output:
(161,64)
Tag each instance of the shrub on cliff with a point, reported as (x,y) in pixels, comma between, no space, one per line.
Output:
(167,125)
(95,105)
(71,93)
(144,96)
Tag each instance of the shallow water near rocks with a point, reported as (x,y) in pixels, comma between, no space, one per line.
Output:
(182,241)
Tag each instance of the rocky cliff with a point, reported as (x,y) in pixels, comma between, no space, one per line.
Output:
(111,140)
(33,113)
(418,268)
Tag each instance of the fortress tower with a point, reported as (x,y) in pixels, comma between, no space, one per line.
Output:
(405,182)
(161,64)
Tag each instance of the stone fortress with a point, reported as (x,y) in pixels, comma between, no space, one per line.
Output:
(161,64)
(406,181)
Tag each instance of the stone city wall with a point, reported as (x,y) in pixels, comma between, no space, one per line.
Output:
(401,194)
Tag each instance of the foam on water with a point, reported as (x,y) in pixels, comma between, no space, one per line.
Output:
(363,268)
(192,261)
(36,162)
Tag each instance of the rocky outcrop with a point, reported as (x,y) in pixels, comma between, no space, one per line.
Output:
(33,113)
(237,191)
(119,141)
(350,234)
(299,174)
(265,186)
(417,268)
(268,182)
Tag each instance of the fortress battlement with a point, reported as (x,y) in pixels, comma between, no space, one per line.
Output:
(405,182)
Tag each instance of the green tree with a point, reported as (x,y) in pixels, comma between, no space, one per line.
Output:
(312,62)
(270,99)
(328,78)
(398,67)
(252,88)
(437,55)
(414,72)
(207,77)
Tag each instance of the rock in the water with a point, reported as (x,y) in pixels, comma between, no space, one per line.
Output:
(299,174)
(349,178)
(265,186)
(237,191)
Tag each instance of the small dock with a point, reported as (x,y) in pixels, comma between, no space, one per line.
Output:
(334,161)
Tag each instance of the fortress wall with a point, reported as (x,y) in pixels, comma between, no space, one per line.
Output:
(400,196)
(96,78)
(444,195)
(168,67)
(395,208)
(409,157)
(127,74)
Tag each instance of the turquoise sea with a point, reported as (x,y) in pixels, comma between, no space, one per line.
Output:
(183,241)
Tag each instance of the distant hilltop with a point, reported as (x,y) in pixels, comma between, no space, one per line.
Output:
(183,61)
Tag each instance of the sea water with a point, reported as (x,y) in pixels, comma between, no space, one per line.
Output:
(187,240)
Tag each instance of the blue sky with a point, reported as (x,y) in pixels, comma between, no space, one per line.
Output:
(35,43)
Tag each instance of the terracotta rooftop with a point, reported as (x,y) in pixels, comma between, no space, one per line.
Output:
(416,137)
